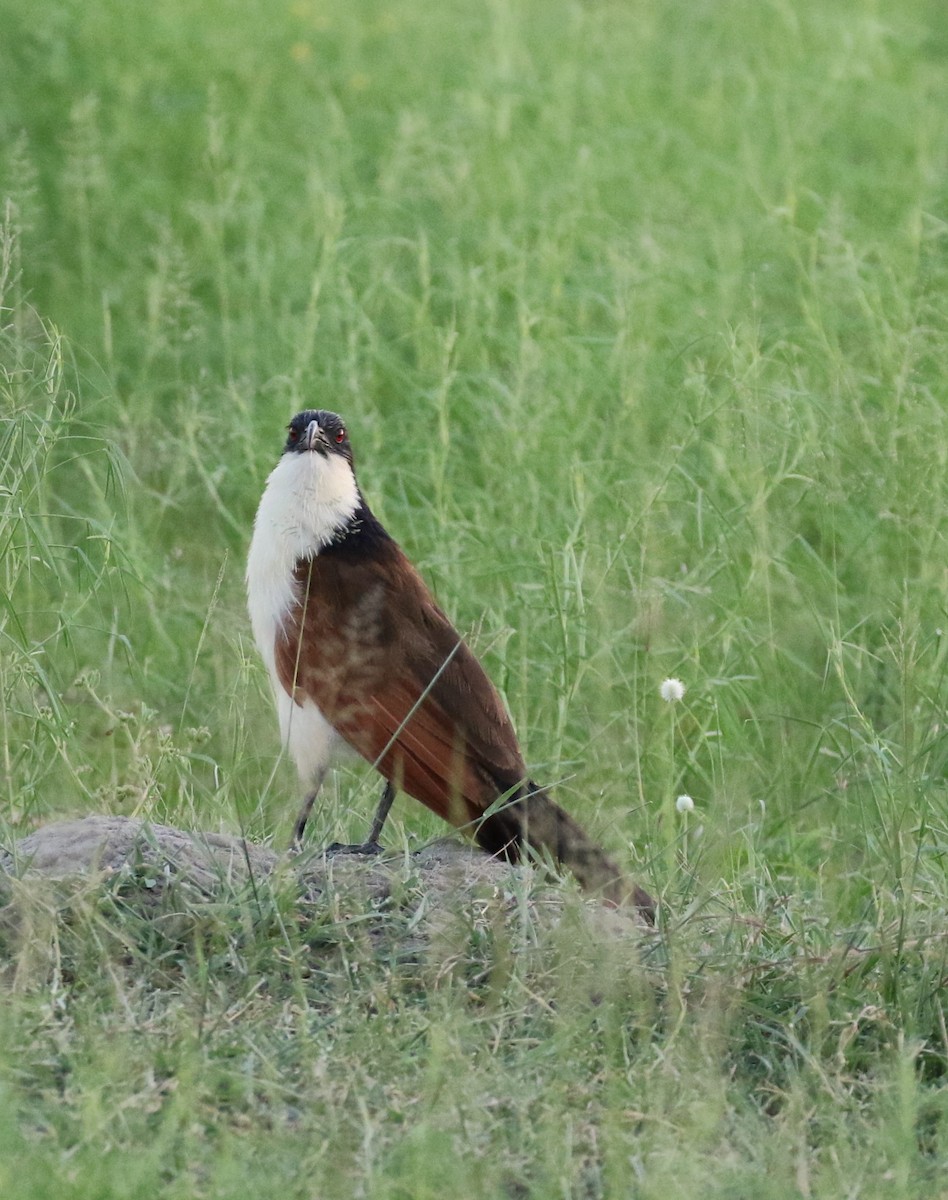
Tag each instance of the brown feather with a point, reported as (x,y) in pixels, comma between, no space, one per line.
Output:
(369,646)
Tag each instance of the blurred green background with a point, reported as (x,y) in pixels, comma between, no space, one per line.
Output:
(636,312)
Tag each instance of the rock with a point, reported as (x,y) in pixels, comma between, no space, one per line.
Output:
(410,905)
(107,844)
(210,861)
(150,894)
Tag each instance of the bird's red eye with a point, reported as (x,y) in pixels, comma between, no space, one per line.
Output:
(340,435)
(293,433)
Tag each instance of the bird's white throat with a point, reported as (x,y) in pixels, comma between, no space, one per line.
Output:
(308,500)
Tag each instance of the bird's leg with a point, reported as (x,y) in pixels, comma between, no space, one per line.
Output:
(305,809)
(371,843)
(381,814)
(301,819)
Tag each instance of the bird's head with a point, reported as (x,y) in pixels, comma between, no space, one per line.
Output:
(312,497)
(316,431)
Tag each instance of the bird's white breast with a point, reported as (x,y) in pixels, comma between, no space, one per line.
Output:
(308,499)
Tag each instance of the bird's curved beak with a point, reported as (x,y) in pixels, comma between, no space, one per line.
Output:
(313,437)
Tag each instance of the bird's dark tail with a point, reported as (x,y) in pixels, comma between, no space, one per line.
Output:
(535,820)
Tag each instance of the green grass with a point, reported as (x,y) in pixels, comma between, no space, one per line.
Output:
(637,315)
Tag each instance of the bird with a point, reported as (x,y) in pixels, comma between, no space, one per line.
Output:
(362,658)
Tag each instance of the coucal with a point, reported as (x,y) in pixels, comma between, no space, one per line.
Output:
(360,655)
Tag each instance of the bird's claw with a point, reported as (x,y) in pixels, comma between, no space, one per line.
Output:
(367,848)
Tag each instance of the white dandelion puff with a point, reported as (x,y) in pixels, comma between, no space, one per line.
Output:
(671,690)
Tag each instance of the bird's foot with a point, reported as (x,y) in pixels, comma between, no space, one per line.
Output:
(367,848)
